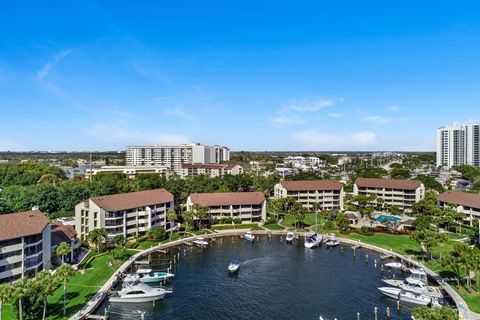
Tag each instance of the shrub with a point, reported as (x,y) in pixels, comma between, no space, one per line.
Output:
(366,231)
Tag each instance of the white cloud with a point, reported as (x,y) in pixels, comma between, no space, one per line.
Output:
(336,114)
(291,113)
(43,73)
(394,108)
(376,119)
(120,132)
(177,112)
(329,141)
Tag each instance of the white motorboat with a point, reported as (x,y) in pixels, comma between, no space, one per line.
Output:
(200,242)
(135,291)
(234,266)
(313,240)
(416,276)
(332,241)
(394,265)
(149,276)
(411,296)
(249,236)
(290,237)
(430,291)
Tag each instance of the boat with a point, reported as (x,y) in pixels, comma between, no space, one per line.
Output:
(249,236)
(411,296)
(148,276)
(200,242)
(234,266)
(430,291)
(290,237)
(332,241)
(135,291)
(394,265)
(313,240)
(416,276)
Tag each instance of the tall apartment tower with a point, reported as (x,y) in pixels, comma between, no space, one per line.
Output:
(174,156)
(458,144)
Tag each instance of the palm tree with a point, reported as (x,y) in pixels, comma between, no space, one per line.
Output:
(45,284)
(298,212)
(187,218)
(61,275)
(5,295)
(119,240)
(21,289)
(201,213)
(96,236)
(62,250)
(171,216)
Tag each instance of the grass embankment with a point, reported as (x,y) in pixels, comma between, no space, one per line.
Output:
(242,226)
(273,227)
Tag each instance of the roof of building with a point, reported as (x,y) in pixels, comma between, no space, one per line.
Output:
(388,183)
(125,201)
(461,198)
(305,185)
(22,224)
(62,233)
(227,198)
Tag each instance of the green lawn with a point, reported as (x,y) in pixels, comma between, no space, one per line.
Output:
(252,226)
(273,226)
(401,244)
(473,300)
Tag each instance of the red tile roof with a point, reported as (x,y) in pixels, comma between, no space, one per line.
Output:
(125,201)
(227,198)
(388,183)
(22,224)
(314,185)
(461,198)
(62,233)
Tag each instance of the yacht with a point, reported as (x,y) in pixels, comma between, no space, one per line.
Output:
(249,236)
(234,266)
(148,276)
(332,241)
(430,291)
(200,242)
(394,265)
(411,296)
(290,237)
(416,276)
(135,291)
(313,241)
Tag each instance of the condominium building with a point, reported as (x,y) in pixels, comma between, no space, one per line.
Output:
(173,157)
(24,244)
(247,206)
(463,202)
(458,145)
(315,194)
(393,192)
(130,171)
(129,214)
(210,170)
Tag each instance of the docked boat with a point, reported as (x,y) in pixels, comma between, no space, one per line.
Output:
(135,291)
(249,236)
(234,266)
(427,290)
(313,240)
(290,237)
(200,242)
(417,276)
(411,296)
(332,241)
(394,265)
(149,276)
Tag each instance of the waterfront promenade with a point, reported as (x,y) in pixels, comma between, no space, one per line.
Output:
(93,304)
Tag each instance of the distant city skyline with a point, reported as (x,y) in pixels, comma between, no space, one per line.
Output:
(342,76)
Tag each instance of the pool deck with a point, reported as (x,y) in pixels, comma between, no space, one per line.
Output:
(464,312)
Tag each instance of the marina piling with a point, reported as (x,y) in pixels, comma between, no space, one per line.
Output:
(358,315)
(398,305)
(375,311)
(388,312)
(366,258)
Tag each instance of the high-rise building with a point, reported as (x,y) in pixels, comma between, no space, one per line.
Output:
(173,157)
(458,144)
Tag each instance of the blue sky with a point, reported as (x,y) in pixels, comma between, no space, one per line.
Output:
(252,75)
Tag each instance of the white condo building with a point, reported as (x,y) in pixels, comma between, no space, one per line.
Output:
(173,157)
(458,144)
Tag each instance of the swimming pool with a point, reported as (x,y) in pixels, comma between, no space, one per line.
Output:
(385,218)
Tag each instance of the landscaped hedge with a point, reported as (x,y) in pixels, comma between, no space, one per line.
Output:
(86,263)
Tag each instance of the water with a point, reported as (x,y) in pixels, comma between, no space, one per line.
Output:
(383,218)
(275,281)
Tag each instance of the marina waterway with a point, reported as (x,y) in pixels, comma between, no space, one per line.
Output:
(275,281)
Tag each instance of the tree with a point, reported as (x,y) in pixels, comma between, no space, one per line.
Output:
(49,178)
(298,212)
(426,313)
(342,222)
(277,205)
(45,284)
(5,295)
(97,236)
(456,260)
(187,217)
(21,289)
(156,234)
(62,250)
(61,275)
(400,173)
(201,213)
(427,206)
(171,216)
(119,240)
